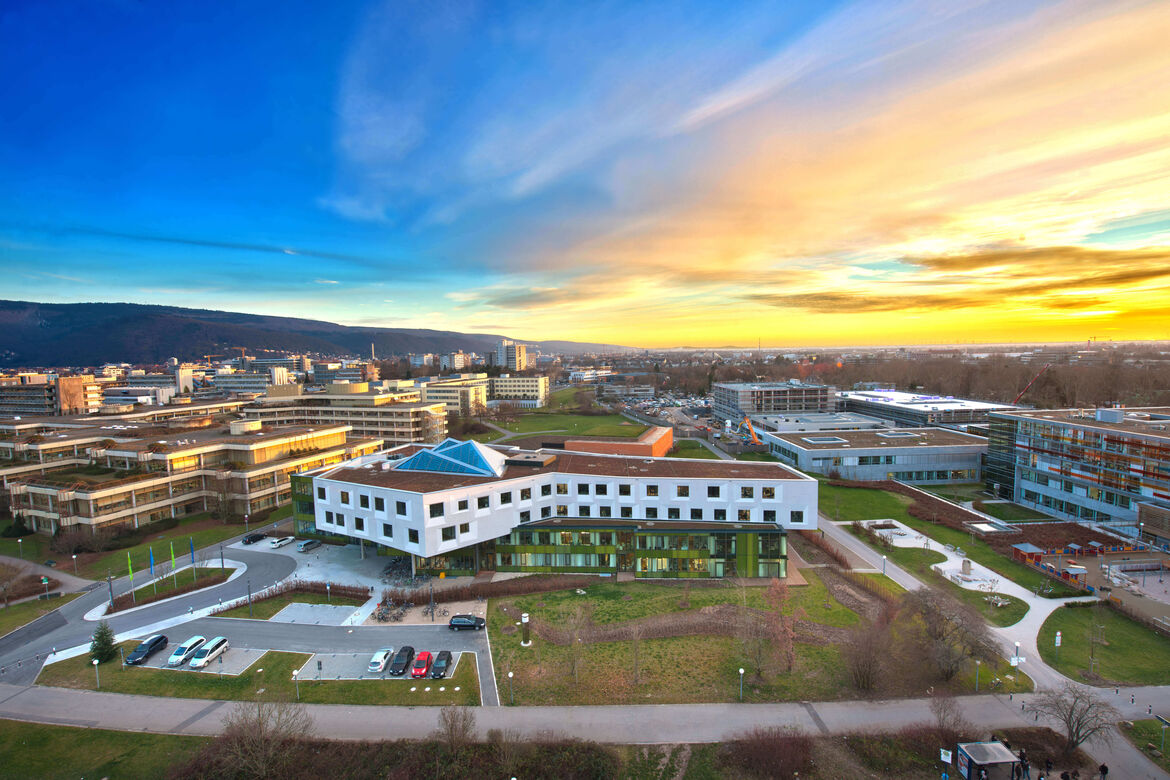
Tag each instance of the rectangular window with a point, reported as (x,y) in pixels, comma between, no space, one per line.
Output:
(745,515)
(768,492)
(505,498)
(696,514)
(600,490)
(682,491)
(796,516)
(329,518)
(652,491)
(583,511)
(321,493)
(525,516)
(583,489)
(482,502)
(436,510)
(364,501)
(525,494)
(712,491)
(720,514)
(379,504)
(448,533)
(345,497)
(387,530)
(605,511)
(769,515)
(400,508)
(412,536)
(562,510)
(651,513)
(747,492)
(463,504)
(546,490)
(546,511)
(623,490)
(465,528)
(627,512)
(673,513)
(359,524)
(562,488)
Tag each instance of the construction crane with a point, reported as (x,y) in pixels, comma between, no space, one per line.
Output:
(242,351)
(1038,375)
(748,424)
(207,358)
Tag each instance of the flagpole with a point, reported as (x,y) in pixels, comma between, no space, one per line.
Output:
(153,580)
(174,573)
(130,567)
(194,575)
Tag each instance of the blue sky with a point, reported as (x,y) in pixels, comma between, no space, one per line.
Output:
(639,172)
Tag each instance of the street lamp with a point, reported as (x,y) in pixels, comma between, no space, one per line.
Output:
(97,674)
(978,663)
(297,682)
(883,564)
(249,597)
(511,698)
(75,563)
(21,543)
(245,522)
(741,683)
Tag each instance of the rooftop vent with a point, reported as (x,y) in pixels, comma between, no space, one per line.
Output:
(1110,415)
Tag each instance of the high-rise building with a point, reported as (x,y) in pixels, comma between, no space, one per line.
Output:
(736,400)
(511,355)
(40,395)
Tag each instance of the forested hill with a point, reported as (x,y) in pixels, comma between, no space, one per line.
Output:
(83,334)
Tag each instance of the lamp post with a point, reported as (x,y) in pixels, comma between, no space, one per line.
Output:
(75,563)
(328,592)
(221,557)
(511,697)
(297,682)
(978,663)
(741,683)
(20,542)
(249,597)
(110,582)
(97,674)
(432,602)
(245,522)
(883,564)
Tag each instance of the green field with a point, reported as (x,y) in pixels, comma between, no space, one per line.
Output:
(1148,732)
(15,616)
(763,457)
(115,561)
(273,673)
(181,579)
(688,448)
(576,425)
(264,610)
(868,504)
(1132,654)
(965,491)
(35,546)
(39,752)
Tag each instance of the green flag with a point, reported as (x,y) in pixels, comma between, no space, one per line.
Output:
(130,566)
(172,556)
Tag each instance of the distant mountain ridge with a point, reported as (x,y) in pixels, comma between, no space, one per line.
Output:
(86,334)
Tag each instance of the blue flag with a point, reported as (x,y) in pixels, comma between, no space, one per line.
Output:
(151,561)
(191,540)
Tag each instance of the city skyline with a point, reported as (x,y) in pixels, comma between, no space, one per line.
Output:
(651,175)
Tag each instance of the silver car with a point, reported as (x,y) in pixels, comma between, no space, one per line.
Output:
(184,651)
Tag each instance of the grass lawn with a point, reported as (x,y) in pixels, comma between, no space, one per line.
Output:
(1132,655)
(1013,513)
(765,457)
(566,398)
(35,546)
(12,618)
(206,535)
(966,491)
(1145,732)
(691,449)
(866,504)
(883,583)
(272,672)
(204,577)
(40,752)
(484,438)
(263,610)
(576,425)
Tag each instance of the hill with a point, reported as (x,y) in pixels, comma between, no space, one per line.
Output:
(86,334)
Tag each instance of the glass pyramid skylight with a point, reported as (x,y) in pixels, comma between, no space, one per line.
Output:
(452,456)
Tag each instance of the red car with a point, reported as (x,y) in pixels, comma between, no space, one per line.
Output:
(422,665)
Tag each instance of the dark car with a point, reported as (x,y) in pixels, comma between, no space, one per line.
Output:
(149,647)
(441,665)
(402,661)
(253,538)
(460,622)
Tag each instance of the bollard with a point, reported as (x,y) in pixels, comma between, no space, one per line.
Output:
(1150,710)
(1131,699)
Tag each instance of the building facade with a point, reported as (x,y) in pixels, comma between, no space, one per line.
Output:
(464,507)
(39,395)
(397,417)
(736,400)
(914,410)
(920,455)
(511,355)
(1096,465)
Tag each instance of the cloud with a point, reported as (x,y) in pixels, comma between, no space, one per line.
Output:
(326,281)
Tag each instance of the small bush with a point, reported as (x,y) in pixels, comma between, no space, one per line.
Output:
(769,752)
(817,540)
(520,586)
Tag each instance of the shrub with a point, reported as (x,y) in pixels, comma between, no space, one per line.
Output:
(15,529)
(769,752)
(817,540)
(520,586)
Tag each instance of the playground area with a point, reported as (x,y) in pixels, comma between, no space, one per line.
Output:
(1137,577)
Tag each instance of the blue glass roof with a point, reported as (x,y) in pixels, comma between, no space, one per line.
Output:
(452,456)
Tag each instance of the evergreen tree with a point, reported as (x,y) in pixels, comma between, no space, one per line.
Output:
(102,649)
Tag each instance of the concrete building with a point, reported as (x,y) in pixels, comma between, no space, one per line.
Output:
(37,395)
(588,376)
(347,371)
(418,361)
(736,400)
(817,421)
(1092,465)
(454,361)
(103,478)
(915,410)
(511,355)
(466,392)
(461,397)
(395,416)
(530,392)
(462,507)
(920,455)
(296,364)
(147,396)
(252,381)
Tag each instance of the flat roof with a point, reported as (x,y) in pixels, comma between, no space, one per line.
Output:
(918,401)
(1147,420)
(888,438)
(179,440)
(568,463)
(791,384)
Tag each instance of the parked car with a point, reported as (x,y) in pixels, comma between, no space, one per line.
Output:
(281,541)
(184,651)
(460,622)
(209,652)
(422,665)
(379,660)
(441,665)
(149,647)
(308,544)
(252,538)
(402,661)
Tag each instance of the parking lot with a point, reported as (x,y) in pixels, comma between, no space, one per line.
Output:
(234,661)
(353,666)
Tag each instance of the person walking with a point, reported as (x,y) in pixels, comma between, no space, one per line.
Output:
(1104,770)
(1048,766)
(1025,770)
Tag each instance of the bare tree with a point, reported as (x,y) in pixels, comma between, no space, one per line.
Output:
(257,734)
(948,715)
(456,726)
(1080,712)
(755,640)
(575,623)
(636,631)
(780,628)
(8,578)
(953,631)
(864,653)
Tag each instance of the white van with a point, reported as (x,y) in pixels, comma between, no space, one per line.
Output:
(209,652)
(308,544)
(184,651)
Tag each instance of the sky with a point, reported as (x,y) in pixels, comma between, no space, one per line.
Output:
(644,173)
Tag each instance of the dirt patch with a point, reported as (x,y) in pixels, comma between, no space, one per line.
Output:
(1048,536)
(851,595)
